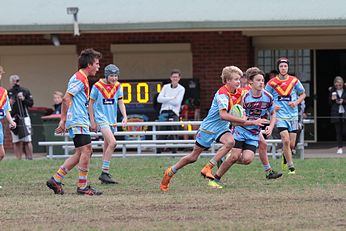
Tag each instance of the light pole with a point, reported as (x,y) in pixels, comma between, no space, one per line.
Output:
(74,12)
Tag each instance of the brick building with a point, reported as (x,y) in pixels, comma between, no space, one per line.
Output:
(149,38)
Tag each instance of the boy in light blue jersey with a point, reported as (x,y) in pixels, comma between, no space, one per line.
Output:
(77,119)
(288,93)
(74,118)
(257,103)
(105,96)
(215,127)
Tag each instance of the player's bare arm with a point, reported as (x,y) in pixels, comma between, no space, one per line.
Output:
(66,101)
(93,125)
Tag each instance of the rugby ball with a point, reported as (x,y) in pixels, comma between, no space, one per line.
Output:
(237,110)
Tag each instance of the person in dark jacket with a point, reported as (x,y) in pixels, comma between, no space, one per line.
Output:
(21,100)
(57,98)
(337,101)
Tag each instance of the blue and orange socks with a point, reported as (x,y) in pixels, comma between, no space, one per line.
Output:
(83,177)
(60,174)
(105,166)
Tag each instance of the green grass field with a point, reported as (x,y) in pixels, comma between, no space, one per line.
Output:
(314,199)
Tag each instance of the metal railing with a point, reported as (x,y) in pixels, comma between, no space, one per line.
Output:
(139,144)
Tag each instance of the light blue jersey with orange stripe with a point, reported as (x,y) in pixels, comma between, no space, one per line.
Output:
(283,92)
(77,114)
(4,103)
(4,107)
(223,100)
(106,98)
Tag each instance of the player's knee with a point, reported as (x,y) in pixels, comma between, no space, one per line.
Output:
(2,156)
(88,149)
(229,144)
(286,142)
(247,160)
(113,144)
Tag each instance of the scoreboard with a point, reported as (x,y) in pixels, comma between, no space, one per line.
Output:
(140,95)
(140,92)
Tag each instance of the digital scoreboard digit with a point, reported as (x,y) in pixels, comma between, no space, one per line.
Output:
(140,92)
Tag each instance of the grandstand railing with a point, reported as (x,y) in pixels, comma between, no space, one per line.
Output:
(154,143)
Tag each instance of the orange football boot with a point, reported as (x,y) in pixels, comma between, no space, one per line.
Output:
(207,172)
(167,176)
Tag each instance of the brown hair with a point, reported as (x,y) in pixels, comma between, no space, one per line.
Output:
(252,72)
(88,56)
(176,71)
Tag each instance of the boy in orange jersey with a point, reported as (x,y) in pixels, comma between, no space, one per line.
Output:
(105,97)
(75,119)
(5,109)
(288,93)
(257,103)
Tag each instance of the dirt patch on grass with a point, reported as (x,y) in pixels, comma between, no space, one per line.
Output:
(232,209)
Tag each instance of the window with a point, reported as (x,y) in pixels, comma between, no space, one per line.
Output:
(299,61)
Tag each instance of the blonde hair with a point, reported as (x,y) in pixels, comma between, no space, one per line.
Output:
(58,93)
(228,71)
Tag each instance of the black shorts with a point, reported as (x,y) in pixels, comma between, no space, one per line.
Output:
(219,137)
(244,146)
(201,146)
(80,140)
(280,129)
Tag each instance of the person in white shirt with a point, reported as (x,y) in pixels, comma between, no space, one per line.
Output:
(171,97)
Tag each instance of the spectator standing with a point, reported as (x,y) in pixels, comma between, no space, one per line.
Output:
(20,101)
(4,112)
(337,101)
(57,98)
(171,97)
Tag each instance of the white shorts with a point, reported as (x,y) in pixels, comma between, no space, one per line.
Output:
(15,138)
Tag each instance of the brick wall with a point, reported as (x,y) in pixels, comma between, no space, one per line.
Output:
(211,52)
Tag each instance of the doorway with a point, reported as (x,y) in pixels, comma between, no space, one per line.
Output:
(329,63)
